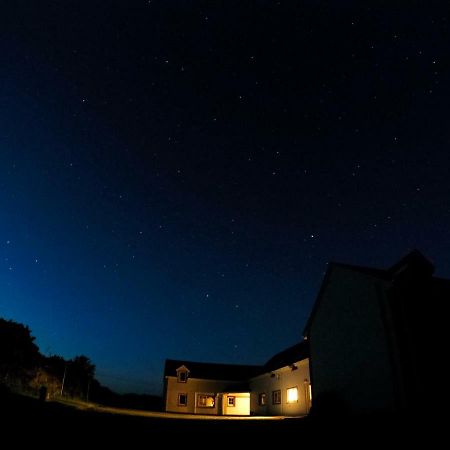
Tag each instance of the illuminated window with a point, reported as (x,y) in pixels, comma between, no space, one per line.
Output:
(205,401)
(308,393)
(276,397)
(262,399)
(231,401)
(182,376)
(292,395)
(182,399)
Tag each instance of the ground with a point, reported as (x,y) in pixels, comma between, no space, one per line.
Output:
(55,424)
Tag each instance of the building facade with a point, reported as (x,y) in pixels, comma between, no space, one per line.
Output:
(283,387)
(372,343)
(369,335)
(280,387)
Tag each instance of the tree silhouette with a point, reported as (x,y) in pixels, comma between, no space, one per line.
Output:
(54,365)
(83,366)
(24,368)
(79,373)
(19,355)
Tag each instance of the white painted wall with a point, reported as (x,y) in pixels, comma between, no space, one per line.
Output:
(242,404)
(191,387)
(283,379)
(349,353)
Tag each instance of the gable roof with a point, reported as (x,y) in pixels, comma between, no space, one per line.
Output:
(414,260)
(289,356)
(212,371)
(236,372)
(381,274)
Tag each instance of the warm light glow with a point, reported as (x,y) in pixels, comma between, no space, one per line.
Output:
(206,401)
(292,395)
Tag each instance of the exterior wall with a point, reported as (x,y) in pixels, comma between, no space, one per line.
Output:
(242,404)
(349,350)
(282,380)
(192,388)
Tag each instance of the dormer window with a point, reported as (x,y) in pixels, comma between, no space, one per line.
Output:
(182,374)
(182,377)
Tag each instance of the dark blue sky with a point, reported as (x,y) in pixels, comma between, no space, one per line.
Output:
(174,176)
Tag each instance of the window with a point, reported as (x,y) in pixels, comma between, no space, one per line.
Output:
(276,397)
(308,393)
(262,399)
(231,401)
(182,376)
(205,401)
(292,395)
(182,399)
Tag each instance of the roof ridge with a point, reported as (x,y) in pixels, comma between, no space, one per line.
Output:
(185,362)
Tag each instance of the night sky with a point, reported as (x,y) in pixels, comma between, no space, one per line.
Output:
(175,175)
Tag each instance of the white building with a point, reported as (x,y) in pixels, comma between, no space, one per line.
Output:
(204,388)
(283,387)
(280,387)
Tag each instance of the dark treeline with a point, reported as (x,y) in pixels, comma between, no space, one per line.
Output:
(24,369)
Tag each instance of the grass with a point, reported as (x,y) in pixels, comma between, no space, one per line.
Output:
(77,423)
